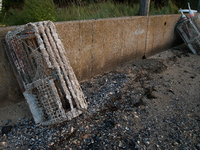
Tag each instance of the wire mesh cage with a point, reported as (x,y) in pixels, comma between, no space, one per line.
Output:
(189,30)
(43,71)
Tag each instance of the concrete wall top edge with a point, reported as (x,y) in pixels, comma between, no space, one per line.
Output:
(89,20)
(165,15)
(113,18)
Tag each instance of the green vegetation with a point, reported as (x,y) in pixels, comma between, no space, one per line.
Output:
(39,10)
(96,10)
(32,11)
(169,9)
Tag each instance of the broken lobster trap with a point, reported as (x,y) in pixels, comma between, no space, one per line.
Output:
(189,30)
(45,76)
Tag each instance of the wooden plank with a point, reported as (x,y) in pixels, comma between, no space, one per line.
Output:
(144,7)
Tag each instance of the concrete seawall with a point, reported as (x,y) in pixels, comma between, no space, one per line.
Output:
(97,46)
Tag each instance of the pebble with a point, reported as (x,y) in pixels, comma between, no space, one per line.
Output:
(120,143)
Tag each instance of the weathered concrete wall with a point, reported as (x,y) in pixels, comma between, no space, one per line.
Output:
(161,34)
(97,46)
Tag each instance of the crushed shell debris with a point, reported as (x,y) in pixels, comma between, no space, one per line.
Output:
(130,107)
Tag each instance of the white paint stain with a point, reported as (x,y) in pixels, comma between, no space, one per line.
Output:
(138,32)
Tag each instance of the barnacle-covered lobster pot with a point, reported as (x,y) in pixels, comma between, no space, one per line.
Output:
(189,30)
(45,76)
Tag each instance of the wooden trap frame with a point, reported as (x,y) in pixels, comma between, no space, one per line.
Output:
(189,30)
(44,74)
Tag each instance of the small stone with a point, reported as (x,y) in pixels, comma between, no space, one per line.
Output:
(3,144)
(136,116)
(52,143)
(75,142)
(85,136)
(120,143)
(63,131)
(127,128)
(157,146)
(175,143)
(92,141)
(72,129)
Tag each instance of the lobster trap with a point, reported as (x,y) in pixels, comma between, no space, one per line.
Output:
(45,76)
(189,30)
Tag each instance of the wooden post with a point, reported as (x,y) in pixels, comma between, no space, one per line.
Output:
(198,9)
(0,6)
(144,7)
